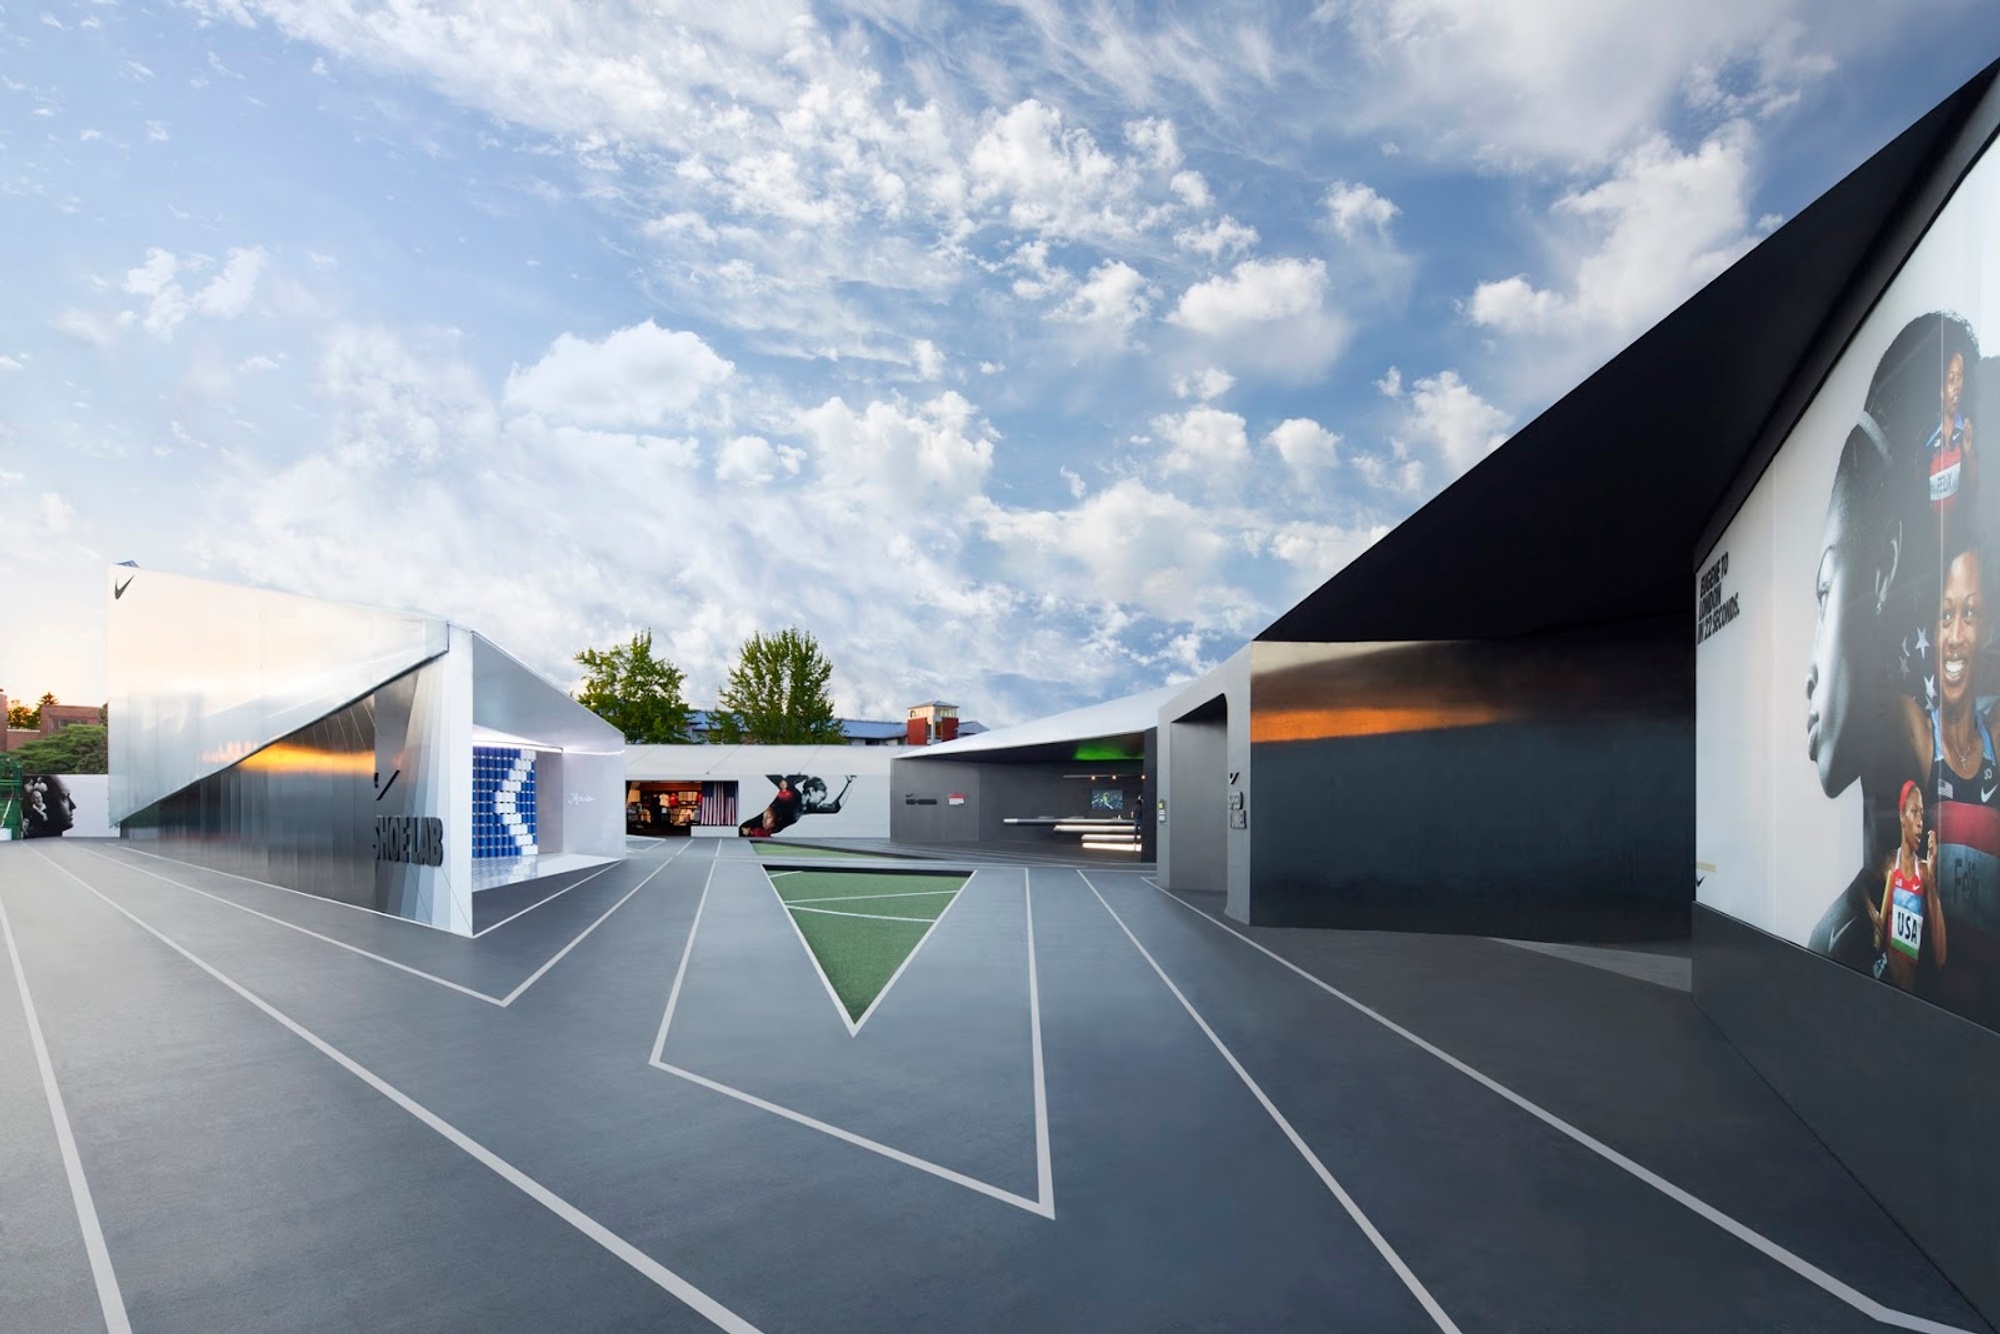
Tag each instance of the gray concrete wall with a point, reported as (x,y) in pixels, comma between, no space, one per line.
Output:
(1196,854)
(1204,738)
(1903,1092)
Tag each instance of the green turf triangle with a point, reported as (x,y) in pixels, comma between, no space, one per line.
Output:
(862,926)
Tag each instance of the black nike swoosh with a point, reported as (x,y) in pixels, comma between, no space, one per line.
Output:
(119,591)
(386,786)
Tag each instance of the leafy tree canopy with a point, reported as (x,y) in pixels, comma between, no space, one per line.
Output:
(80,748)
(777,695)
(635,692)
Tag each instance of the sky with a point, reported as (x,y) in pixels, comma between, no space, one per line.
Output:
(1024,354)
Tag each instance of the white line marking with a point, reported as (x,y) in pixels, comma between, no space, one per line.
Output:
(839,1007)
(1043,1207)
(372,912)
(775,874)
(1861,1302)
(680,973)
(306,931)
(861,1141)
(553,897)
(855,898)
(871,916)
(1045,1181)
(502,1002)
(921,942)
(715,1312)
(109,1299)
(536,976)
(1381,1243)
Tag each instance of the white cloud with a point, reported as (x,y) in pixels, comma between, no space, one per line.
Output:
(93,326)
(1307,448)
(639,375)
(1462,426)
(156,132)
(1259,291)
(1207,384)
(927,359)
(1575,82)
(1192,189)
(1318,551)
(1074,482)
(1111,301)
(1357,213)
(755,461)
(1053,179)
(1391,384)
(908,458)
(1662,224)
(11,478)
(1155,143)
(1225,236)
(1267,313)
(1204,440)
(9,364)
(229,293)
(1127,544)
(1400,474)
(56,514)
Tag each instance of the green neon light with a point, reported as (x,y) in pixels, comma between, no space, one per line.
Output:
(1108,750)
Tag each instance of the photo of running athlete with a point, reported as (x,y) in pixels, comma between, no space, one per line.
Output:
(1957,737)
(1910,922)
(1954,463)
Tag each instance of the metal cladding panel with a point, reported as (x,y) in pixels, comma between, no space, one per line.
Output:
(511,699)
(203,674)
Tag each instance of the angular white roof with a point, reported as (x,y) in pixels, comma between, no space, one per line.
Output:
(1113,717)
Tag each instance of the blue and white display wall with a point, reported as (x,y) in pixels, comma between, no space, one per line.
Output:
(503,802)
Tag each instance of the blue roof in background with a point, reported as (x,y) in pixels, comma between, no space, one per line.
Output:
(855,729)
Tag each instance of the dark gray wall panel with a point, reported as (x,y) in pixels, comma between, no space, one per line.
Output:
(1906,1094)
(1540,788)
(1539,830)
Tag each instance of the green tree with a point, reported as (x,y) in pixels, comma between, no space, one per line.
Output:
(20,715)
(635,692)
(777,695)
(80,748)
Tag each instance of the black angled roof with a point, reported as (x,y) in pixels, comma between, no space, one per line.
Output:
(1595,511)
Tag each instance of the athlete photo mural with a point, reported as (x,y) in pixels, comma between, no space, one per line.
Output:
(1858,567)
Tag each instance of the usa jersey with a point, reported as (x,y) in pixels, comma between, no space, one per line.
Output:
(1947,459)
(1906,912)
(1968,832)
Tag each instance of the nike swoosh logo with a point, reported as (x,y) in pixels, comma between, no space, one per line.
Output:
(386,786)
(119,591)
(1987,795)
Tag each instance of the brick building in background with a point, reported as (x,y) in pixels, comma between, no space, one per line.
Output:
(55,717)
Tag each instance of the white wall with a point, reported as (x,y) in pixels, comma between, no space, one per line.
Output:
(864,810)
(91,795)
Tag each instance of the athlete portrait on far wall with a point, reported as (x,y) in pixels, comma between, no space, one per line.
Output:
(1861,568)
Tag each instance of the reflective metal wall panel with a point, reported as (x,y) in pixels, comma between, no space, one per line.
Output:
(353,807)
(202,674)
(298,813)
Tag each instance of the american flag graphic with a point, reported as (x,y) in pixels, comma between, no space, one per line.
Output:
(718,803)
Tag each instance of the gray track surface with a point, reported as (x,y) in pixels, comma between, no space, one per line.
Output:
(245,1178)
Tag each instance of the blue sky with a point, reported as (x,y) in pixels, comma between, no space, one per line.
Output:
(1025,354)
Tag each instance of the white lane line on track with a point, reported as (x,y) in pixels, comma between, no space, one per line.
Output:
(1361,1220)
(502,1001)
(1042,1206)
(869,916)
(708,1307)
(1805,1269)
(109,1299)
